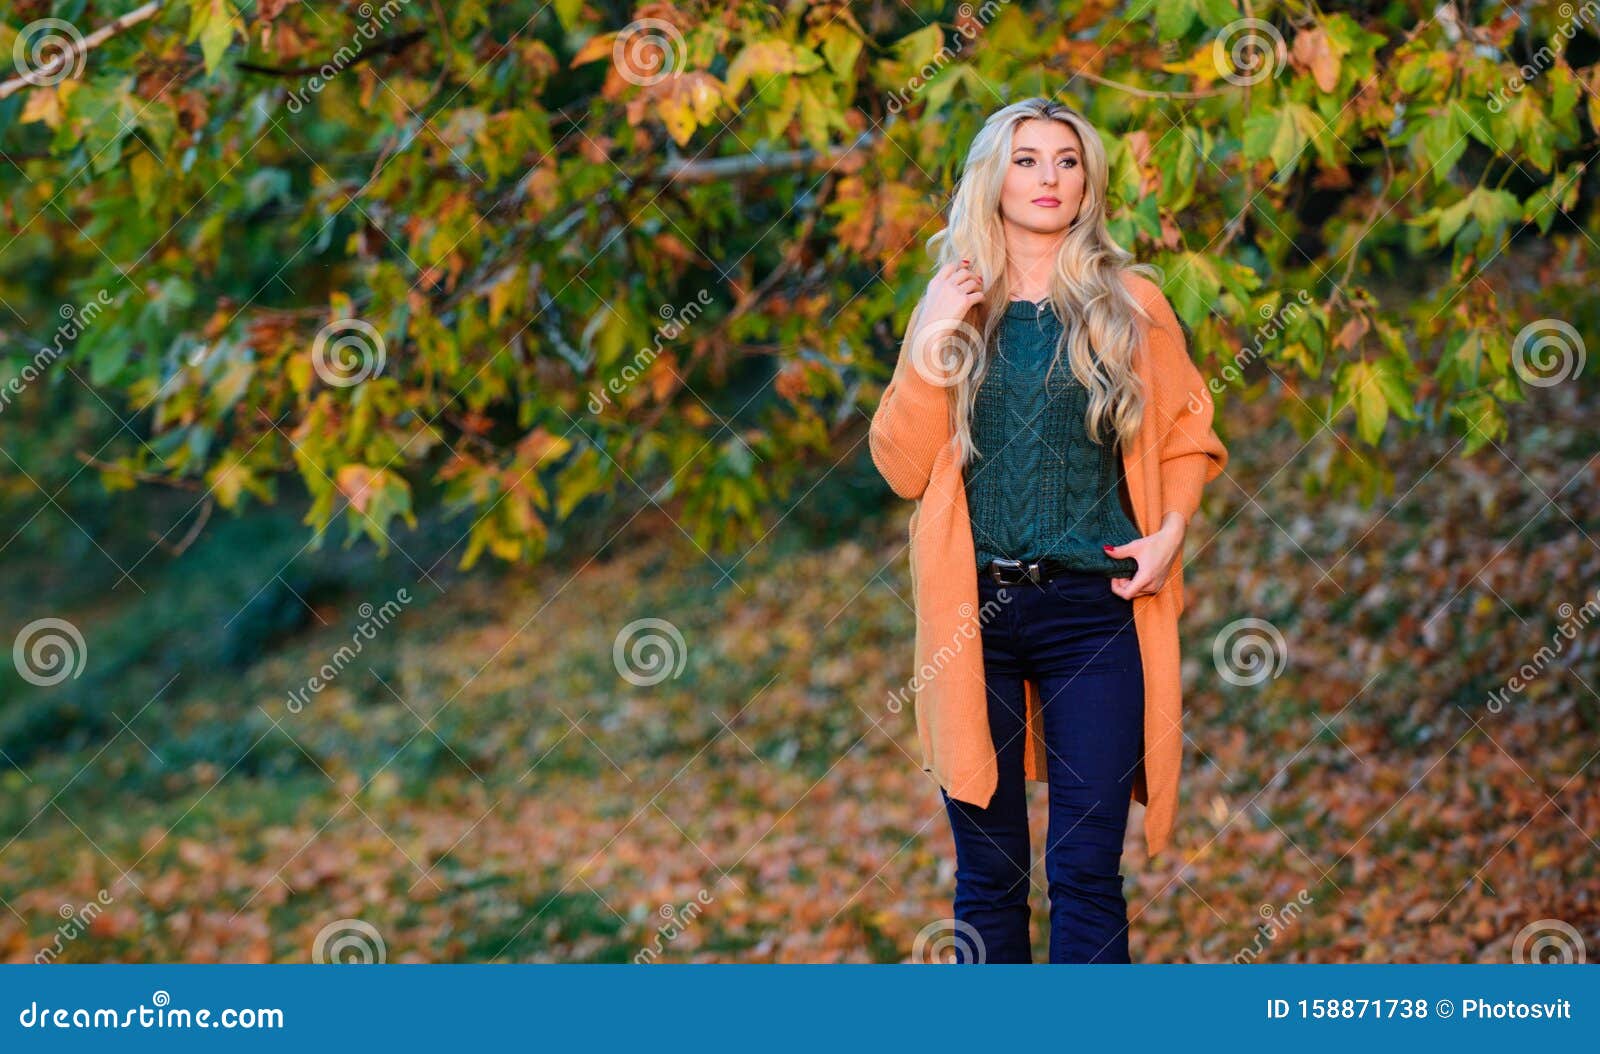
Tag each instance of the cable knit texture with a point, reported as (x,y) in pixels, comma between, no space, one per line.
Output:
(1041,487)
(1175,453)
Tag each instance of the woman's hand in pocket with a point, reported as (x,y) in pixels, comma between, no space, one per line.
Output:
(1155,554)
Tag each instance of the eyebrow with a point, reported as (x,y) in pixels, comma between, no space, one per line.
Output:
(1034,150)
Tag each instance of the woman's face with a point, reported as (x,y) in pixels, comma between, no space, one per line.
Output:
(1044,177)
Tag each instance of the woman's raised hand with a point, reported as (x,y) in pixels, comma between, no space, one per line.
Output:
(952,292)
(945,348)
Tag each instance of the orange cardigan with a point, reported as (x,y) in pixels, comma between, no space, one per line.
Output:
(1175,453)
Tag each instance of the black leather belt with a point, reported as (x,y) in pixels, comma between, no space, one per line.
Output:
(1015,572)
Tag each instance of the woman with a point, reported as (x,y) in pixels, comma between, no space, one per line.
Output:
(1048,421)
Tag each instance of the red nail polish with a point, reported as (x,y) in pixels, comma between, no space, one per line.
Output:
(1107,548)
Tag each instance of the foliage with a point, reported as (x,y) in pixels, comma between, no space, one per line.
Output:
(482,254)
(483,785)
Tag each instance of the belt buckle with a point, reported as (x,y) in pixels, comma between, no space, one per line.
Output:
(999,566)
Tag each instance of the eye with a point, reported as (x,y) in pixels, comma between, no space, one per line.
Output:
(1024,161)
(1069,162)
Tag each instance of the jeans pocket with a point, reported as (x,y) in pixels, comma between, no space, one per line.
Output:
(1081,587)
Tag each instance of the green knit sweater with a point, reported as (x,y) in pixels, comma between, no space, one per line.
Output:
(1039,487)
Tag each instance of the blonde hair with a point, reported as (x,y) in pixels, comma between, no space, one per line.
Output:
(1086,289)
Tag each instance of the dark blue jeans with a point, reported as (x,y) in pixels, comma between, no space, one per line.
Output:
(1077,638)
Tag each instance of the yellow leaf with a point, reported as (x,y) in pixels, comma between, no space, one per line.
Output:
(356,483)
(44,104)
(686,102)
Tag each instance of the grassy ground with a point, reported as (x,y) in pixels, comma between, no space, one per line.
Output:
(479,783)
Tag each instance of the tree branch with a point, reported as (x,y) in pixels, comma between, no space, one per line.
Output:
(385,47)
(69,54)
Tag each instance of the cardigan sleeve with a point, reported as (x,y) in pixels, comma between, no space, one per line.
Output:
(911,423)
(1191,454)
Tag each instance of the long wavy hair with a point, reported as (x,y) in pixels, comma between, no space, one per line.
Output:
(1086,289)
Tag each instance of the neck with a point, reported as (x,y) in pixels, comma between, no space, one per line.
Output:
(1030,257)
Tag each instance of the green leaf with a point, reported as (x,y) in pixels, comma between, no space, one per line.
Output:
(1481,420)
(213,23)
(1279,134)
(1193,287)
(1361,389)
(1218,13)
(568,13)
(1389,376)
(1439,143)
(1173,18)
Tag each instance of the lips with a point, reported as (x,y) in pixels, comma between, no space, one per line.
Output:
(1048,203)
